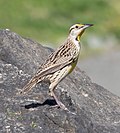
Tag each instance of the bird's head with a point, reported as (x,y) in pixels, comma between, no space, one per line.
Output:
(77,30)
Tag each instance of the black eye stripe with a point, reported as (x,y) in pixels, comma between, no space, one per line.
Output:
(76,27)
(71,29)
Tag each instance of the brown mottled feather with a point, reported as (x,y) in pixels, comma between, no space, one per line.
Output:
(62,57)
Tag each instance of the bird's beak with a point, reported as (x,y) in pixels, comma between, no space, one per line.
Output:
(82,29)
(87,25)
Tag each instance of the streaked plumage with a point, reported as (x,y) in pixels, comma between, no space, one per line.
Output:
(60,63)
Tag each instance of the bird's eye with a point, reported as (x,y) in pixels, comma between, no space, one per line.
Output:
(76,26)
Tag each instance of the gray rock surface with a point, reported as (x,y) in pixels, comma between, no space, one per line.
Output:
(96,109)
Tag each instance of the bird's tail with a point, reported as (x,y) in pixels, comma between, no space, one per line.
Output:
(28,86)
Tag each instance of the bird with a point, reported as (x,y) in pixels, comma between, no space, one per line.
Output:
(59,63)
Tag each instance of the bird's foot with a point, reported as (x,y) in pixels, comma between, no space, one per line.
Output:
(59,103)
(62,106)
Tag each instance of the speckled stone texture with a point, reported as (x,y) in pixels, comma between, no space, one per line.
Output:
(96,109)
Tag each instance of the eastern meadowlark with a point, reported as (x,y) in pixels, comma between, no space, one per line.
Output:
(60,63)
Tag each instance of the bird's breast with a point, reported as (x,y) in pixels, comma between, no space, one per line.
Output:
(77,44)
(73,64)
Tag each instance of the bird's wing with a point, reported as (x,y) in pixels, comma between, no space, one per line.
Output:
(40,74)
(62,57)
(53,68)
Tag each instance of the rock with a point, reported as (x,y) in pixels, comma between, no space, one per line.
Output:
(96,109)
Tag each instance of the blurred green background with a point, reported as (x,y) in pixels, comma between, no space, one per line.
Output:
(48,21)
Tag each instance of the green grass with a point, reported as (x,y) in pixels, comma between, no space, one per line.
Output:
(48,21)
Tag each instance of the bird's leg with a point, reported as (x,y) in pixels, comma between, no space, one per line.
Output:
(59,103)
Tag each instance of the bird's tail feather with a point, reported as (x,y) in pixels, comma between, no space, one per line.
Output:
(28,86)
